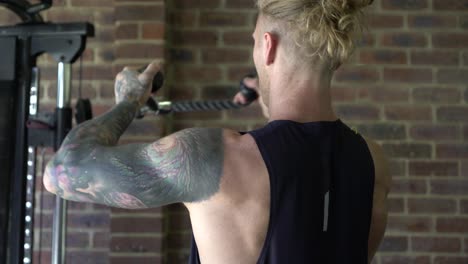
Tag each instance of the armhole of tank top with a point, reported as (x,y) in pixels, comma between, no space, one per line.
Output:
(371,158)
(369,153)
(372,182)
(266,243)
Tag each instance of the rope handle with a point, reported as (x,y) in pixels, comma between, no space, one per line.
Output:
(166,107)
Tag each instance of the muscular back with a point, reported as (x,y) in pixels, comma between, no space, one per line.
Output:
(231,227)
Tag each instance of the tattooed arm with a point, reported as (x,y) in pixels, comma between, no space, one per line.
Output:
(90,167)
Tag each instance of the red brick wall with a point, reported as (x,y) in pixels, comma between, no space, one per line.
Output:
(405,87)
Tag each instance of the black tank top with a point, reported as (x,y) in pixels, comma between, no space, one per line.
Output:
(321,182)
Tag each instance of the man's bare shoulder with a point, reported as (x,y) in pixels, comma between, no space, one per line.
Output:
(242,172)
(382,173)
(237,141)
(241,151)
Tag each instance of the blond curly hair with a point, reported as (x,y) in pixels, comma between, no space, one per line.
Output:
(323,28)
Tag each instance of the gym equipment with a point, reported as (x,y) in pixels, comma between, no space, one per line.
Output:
(165,107)
(26,128)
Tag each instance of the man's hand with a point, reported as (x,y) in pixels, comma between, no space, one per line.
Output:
(249,82)
(240,99)
(133,87)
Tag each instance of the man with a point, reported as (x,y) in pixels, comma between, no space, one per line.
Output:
(303,189)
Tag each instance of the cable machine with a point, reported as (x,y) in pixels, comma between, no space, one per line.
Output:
(26,128)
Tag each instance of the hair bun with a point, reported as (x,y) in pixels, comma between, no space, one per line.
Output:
(347,4)
(361,3)
(323,28)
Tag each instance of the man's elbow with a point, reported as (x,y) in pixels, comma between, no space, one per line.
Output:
(49,180)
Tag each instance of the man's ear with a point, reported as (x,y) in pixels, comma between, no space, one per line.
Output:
(270,42)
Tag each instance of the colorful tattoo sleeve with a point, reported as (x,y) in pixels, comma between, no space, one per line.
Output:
(90,167)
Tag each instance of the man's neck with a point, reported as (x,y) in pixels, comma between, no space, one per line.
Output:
(301,98)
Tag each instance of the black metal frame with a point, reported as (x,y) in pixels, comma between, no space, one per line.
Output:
(7,84)
(65,42)
(29,13)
